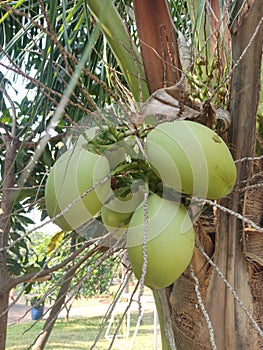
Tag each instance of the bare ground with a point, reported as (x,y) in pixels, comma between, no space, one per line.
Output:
(98,306)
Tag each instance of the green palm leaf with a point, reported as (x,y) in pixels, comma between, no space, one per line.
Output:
(120,42)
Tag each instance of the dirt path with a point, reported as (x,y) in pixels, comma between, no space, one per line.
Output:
(20,312)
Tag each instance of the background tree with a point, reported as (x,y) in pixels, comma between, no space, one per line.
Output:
(73,71)
(97,283)
(34,48)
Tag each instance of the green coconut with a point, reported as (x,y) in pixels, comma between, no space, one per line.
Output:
(170,241)
(75,172)
(116,214)
(192,159)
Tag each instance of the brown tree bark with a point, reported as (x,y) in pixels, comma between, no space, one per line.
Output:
(158,43)
(232,327)
(234,330)
(43,337)
(5,214)
(221,236)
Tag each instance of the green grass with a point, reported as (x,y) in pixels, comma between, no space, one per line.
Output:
(80,333)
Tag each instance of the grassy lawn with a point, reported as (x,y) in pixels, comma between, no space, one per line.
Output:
(79,333)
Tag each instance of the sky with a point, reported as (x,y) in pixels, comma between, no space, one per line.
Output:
(49,228)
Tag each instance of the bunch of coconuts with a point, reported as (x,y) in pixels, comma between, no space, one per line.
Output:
(93,180)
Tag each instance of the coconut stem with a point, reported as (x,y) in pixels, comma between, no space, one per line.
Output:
(164,317)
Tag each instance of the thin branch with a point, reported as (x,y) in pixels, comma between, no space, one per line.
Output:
(65,210)
(33,145)
(59,111)
(66,54)
(13,109)
(44,89)
(31,276)
(42,337)
(8,135)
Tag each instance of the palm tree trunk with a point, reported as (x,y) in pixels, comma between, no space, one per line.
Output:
(227,325)
(234,330)
(232,327)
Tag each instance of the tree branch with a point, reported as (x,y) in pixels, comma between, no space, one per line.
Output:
(13,114)
(32,276)
(8,135)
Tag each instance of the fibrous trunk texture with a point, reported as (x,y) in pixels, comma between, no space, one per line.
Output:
(158,43)
(231,325)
